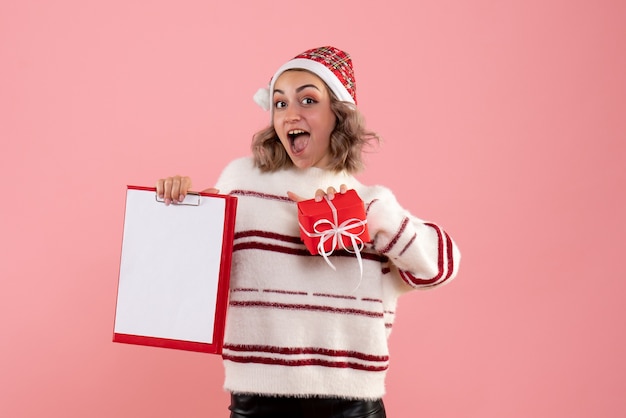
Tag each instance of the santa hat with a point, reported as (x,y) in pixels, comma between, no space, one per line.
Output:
(332,65)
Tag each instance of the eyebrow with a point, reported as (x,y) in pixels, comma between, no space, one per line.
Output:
(299,89)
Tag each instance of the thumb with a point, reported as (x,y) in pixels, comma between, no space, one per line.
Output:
(212,190)
(296,198)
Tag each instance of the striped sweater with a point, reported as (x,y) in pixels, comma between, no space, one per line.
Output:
(296,327)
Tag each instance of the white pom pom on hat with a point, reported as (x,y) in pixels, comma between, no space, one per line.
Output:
(332,65)
(262,98)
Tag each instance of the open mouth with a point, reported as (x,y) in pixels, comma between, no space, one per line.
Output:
(298,139)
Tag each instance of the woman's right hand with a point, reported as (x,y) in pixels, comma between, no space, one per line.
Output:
(173,189)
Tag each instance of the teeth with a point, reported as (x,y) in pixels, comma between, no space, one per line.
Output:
(296,132)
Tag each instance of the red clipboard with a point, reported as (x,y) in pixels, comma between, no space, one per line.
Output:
(174,271)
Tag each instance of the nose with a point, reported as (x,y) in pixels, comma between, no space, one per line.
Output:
(292,114)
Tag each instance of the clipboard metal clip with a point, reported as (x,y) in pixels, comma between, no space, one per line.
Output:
(191,199)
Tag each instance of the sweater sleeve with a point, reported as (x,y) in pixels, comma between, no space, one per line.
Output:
(423,253)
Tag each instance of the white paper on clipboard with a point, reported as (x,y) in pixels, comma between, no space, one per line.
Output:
(174,271)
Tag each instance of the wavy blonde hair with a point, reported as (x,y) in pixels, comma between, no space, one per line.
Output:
(346,141)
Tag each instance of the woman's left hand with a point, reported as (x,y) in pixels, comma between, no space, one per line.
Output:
(320,194)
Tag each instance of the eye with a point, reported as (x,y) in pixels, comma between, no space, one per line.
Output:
(279,104)
(308,101)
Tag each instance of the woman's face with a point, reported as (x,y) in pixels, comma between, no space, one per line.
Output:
(303,118)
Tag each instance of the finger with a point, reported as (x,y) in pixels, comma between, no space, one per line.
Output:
(179,188)
(343,188)
(296,198)
(319,195)
(211,190)
(175,190)
(167,190)
(185,185)
(159,188)
(330,192)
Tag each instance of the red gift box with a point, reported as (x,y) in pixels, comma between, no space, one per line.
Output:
(333,224)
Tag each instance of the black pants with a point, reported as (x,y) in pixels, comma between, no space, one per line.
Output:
(252,406)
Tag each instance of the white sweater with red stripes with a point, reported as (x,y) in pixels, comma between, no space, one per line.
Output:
(295,326)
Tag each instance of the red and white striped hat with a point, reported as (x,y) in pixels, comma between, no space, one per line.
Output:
(332,65)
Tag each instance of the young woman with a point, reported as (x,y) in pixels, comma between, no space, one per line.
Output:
(303,339)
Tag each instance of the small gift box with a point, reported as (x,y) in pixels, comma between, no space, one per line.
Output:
(333,224)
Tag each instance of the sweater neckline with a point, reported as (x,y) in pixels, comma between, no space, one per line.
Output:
(319,173)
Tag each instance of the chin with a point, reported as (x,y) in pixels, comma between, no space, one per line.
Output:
(305,162)
(302,164)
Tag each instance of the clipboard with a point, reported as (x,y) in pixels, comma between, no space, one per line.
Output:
(174,271)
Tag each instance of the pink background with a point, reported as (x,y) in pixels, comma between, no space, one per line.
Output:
(503,121)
